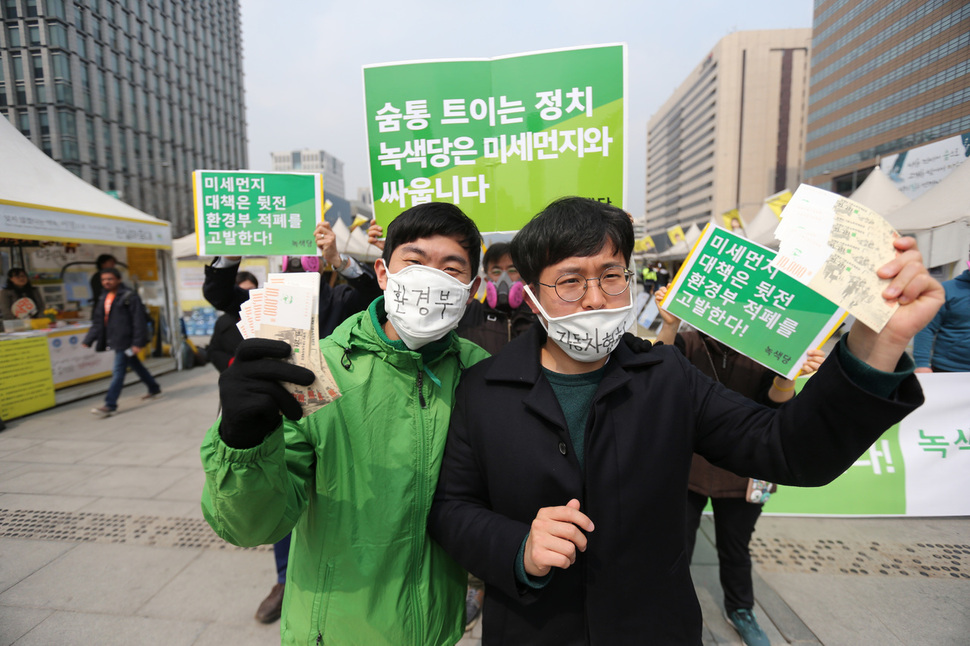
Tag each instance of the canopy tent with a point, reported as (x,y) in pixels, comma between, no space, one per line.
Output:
(879,193)
(682,248)
(762,227)
(940,219)
(41,200)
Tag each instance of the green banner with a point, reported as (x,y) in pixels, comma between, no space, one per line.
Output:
(242,213)
(727,289)
(501,137)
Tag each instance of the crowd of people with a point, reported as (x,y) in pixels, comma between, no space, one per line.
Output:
(566,471)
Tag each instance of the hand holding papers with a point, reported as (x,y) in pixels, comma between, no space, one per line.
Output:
(286,310)
(835,246)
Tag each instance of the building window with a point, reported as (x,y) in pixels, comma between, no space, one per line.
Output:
(38,64)
(33,35)
(55,9)
(24,123)
(31,8)
(10,9)
(13,36)
(58,35)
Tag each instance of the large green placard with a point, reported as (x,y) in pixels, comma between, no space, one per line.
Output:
(242,213)
(728,290)
(500,137)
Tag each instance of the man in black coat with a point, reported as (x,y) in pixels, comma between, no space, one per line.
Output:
(119,323)
(573,508)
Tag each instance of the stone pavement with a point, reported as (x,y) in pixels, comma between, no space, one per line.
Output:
(102,542)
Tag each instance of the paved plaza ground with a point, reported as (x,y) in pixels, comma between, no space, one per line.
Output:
(102,542)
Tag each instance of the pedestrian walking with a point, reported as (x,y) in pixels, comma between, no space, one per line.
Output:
(119,323)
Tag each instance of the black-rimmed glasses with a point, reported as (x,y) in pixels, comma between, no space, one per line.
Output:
(571,287)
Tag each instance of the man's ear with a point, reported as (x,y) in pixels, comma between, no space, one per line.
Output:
(530,302)
(381,270)
(474,289)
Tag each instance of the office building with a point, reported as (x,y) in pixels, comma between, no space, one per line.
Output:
(313,161)
(731,134)
(130,95)
(886,77)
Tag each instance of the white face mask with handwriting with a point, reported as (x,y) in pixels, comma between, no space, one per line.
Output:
(589,335)
(424,304)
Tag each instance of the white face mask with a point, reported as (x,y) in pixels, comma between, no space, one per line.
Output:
(424,304)
(589,335)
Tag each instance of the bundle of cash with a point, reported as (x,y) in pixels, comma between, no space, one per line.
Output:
(287,310)
(835,246)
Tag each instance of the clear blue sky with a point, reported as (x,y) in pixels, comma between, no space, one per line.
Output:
(303,58)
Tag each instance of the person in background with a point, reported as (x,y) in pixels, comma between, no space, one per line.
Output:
(944,344)
(503,315)
(225,335)
(734,515)
(573,508)
(224,289)
(118,323)
(19,299)
(104,261)
(354,479)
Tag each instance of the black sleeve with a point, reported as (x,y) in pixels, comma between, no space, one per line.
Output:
(808,441)
(139,326)
(357,294)
(482,541)
(219,288)
(97,322)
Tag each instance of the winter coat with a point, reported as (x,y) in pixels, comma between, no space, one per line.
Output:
(354,482)
(11,294)
(944,343)
(126,325)
(509,454)
(740,374)
(491,328)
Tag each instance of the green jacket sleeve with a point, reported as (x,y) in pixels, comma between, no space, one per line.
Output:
(255,496)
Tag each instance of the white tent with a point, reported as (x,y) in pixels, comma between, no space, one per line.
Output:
(682,248)
(762,227)
(940,219)
(41,200)
(879,193)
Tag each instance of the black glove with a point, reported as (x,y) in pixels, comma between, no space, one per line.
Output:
(252,396)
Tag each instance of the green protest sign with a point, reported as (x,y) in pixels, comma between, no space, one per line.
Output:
(499,137)
(242,213)
(727,289)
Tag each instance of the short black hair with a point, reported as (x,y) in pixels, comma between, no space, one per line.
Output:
(110,270)
(243,276)
(570,226)
(103,258)
(494,253)
(434,219)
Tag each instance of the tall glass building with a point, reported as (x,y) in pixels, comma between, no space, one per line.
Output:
(886,76)
(130,95)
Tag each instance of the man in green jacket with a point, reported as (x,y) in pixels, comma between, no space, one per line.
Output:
(354,480)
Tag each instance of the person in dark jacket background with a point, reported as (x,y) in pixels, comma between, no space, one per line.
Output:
(18,288)
(504,314)
(118,323)
(225,335)
(572,510)
(104,261)
(226,291)
(944,344)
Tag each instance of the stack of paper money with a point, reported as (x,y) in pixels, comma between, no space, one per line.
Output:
(835,246)
(287,310)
